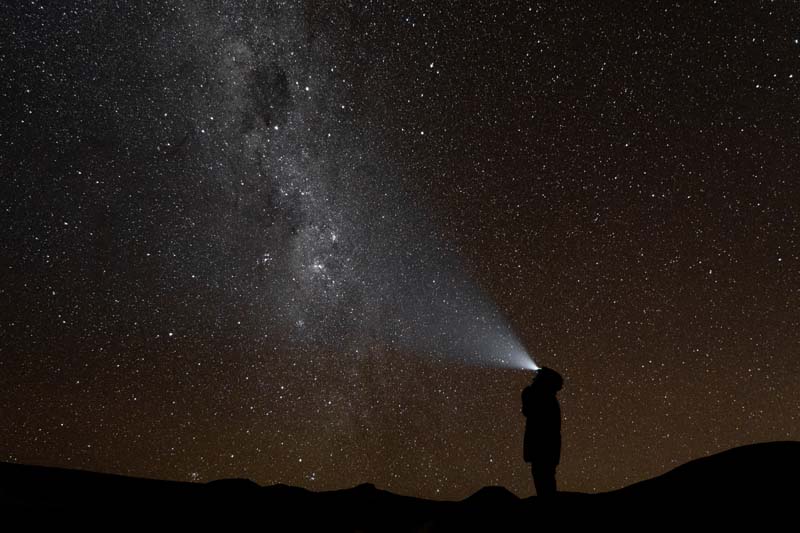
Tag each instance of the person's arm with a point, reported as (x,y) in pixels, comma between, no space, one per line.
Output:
(525,407)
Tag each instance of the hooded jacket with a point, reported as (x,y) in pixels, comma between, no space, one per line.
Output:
(542,444)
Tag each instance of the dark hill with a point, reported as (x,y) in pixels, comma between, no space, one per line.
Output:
(754,483)
(764,471)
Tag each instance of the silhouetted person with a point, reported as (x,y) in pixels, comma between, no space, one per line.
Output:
(542,445)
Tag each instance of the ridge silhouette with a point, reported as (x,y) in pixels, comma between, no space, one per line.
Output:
(756,483)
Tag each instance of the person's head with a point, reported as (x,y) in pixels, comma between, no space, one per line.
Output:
(548,379)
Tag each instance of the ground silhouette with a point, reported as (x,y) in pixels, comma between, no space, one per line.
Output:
(755,485)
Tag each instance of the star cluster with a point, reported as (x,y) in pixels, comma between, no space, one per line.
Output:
(260,239)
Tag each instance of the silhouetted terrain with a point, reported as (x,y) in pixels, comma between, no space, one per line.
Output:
(756,484)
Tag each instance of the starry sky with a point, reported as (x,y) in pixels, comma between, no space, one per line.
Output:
(277,240)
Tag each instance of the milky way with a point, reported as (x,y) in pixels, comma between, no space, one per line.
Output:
(289,241)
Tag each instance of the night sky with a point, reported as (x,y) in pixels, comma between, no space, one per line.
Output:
(279,240)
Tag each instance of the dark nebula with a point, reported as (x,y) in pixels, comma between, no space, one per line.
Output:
(281,240)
